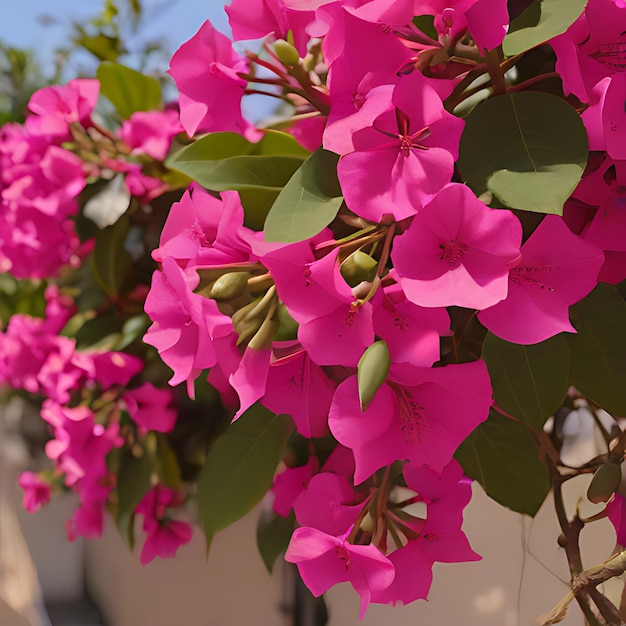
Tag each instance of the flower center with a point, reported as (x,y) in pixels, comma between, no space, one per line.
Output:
(452,252)
(414,422)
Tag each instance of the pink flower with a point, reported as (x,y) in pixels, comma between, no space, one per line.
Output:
(405,157)
(36,491)
(151,132)
(150,407)
(615,513)
(324,560)
(206,71)
(419,414)
(557,269)
(163,535)
(457,251)
(57,107)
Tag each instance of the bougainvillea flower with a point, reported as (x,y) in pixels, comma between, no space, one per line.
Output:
(324,560)
(419,414)
(37,491)
(290,483)
(557,269)
(57,107)
(202,230)
(457,251)
(151,407)
(151,132)
(163,535)
(253,19)
(361,56)
(183,323)
(300,388)
(405,157)
(412,333)
(327,504)
(590,49)
(616,510)
(88,519)
(335,327)
(206,71)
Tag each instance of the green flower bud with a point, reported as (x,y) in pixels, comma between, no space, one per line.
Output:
(287,54)
(604,483)
(265,334)
(288,329)
(229,285)
(358,267)
(372,371)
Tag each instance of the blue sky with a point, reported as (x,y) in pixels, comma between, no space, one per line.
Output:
(175,20)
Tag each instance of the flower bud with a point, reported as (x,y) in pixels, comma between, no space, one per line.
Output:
(604,483)
(358,267)
(372,371)
(263,338)
(287,54)
(288,329)
(229,285)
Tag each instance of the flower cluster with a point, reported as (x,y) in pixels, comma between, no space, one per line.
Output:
(356,266)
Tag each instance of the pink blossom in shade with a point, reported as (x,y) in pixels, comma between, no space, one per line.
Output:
(184,324)
(163,535)
(300,388)
(614,269)
(308,132)
(591,49)
(457,251)
(56,107)
(324,560)
(144,188)
(405,157)
(80,445)
(51,185)
(616,510)
(151,407)
(202,230)
(412,333)
(35,245)
(290,483)
(151,132)
(114,368)
(445,495)
(206,71)
(420,415)
(604,118)
(557,269)
(88,519)
(37,491)
(488,21)
(327,504)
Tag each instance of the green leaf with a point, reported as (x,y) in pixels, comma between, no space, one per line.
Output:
(529,149)
(111,261)
(598,348)
(239,468)
(272,536)
(308,202)
(503,457)
(372,371)
(541,21)
(545,189)
(167,464)
(258,171)
(133,482)
(103,47)
(128,90)
(529,382)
